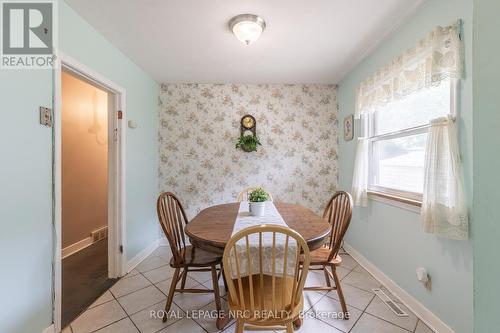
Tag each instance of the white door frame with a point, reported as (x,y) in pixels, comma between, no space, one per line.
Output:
(116,181)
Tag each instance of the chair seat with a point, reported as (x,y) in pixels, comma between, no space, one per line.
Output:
(320,256)
(196,257)
(267,297)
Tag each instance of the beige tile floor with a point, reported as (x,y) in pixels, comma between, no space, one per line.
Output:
(126,307)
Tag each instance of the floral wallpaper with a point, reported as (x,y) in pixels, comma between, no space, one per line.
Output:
(296,124)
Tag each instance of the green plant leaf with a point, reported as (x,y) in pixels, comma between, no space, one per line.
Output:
(258,195)
(248,143)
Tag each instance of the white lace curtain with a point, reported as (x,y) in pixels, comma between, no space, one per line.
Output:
(360,178)
(433,59)
(444,206)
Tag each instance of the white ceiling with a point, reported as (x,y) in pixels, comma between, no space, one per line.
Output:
(306,41)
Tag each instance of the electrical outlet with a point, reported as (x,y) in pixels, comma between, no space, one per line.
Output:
(45,116)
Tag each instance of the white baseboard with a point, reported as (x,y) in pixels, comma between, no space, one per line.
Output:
(132,263)
(429,318)
(163,242)
(78,246)
(50,329)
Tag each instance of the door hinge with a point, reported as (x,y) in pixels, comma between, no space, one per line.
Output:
(120,114)
(121,248)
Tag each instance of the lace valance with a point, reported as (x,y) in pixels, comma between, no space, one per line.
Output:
(433,59)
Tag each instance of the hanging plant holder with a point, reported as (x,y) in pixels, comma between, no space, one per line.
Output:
(248,143)
(248,140)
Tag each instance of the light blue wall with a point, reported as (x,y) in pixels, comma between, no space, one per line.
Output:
(81,41)
(26,202)
(26,176)
(486,166)
(391,237)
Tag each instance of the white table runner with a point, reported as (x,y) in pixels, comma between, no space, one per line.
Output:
(271,216)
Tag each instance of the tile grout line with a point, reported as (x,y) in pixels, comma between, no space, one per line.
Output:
(197,323)
(100,328)
(171,278)
(142,309)
(81,314)
(359,288)
(416,325)
(201,284)
(152,269)
(355,307)
(138,273)
(176,286)
(128,316)
(387,321)
(126,313)
(325,295)
(106,302)
(170,324)
(367,305)
(393,324)
(199,280)
(154,284)
(363,312)
(197,285)
(116,299)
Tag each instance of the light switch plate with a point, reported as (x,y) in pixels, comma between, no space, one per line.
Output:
(45,116)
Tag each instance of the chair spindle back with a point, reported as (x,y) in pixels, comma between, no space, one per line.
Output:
(338,211)
(172,220)
(284,289)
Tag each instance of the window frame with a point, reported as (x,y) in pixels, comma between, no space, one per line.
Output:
(382,193)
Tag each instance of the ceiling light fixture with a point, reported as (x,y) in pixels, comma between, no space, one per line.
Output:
(247,27)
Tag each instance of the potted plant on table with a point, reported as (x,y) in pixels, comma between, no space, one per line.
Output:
(258,198)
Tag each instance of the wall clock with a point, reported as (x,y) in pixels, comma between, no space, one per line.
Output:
(248,140)
(248,124)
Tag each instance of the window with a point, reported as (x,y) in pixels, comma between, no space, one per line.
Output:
(396,104)
(397,135)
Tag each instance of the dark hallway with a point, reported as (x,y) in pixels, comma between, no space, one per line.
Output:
(84,279)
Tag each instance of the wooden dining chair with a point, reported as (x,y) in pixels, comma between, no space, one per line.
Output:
(243,196)
(185,257)
(258,292)
(338,211)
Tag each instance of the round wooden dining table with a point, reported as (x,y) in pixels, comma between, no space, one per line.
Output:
(212,228)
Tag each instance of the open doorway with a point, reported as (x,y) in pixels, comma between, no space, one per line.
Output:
(88,188)
(85,171)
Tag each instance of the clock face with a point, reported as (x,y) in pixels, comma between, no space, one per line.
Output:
(248,122)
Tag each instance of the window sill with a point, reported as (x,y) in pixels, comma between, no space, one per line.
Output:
(397,201)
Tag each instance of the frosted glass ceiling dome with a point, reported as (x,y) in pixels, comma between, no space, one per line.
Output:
(247,27)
